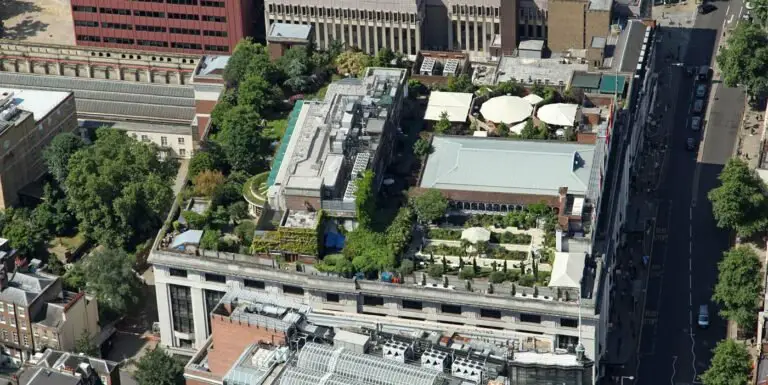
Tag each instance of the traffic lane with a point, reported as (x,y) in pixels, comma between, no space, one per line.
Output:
(723,123)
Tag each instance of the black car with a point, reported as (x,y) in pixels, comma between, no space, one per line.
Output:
(690,144)
(706,8)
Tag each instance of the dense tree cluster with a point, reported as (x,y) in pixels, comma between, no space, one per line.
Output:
(740,202)
(743,60)
(739,287)
(731,365)
(157,367)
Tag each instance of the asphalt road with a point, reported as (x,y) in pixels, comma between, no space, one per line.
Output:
(687,245)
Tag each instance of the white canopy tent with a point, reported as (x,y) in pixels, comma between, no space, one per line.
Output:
(567,270)
(533,99)
(455,104)
(559,114)
(476,234)
(518,128)
(506,109)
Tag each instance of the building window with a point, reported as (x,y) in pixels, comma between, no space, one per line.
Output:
(490,313)
(567,342)
(181,309)
(183,152)
(79,8)
(2,318)
(184,31)
(569,323)
(212,298)
(9,308)
(331,297)
(288,289)
(118,40)
(414,305)
(117,26)
(210,277)
(186,45)
(26,339)
(88,38)
(20,310)
(144,138)
(215,33)
(149,14)
(164,141)
(152,43)
(218,19)
(181,140)
(86,23)
(184,2)
(151,28)
(452,309)
(5,335)
(217,48)
(371,300)
(208,3)
(177,273)
(183,16)
(115,11)
(253,284)
(530,318)
(185,344)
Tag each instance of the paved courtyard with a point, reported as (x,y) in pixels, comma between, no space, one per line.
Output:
(38,21)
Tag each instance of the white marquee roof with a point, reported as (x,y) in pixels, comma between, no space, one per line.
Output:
(559,114)
(456,104)
(533,99)
(506,109)
(567,270)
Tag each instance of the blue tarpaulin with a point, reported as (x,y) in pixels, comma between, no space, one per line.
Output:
(334,241)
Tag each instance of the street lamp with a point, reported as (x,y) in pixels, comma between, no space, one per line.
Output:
(627,377)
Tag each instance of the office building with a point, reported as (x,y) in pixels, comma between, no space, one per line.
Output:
(185,26)
(29,120)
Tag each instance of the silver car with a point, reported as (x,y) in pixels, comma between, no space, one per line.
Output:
(701,90)
(696,123)
(698,105)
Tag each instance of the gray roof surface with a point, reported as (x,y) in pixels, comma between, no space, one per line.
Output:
(24,288)
(115,98)
(289,31)
(212,65)
(53,316)
(629,46)
(44,376)
(586,80)
(508,166)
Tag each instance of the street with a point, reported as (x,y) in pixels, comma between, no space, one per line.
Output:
(686,244)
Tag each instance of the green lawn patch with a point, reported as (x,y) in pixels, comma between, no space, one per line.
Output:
(255,189)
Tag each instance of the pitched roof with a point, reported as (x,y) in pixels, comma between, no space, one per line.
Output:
(508,166)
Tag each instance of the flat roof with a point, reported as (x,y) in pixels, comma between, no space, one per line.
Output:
(612,83)
(508,166)
(38,103)
(600,5)
(629,46)
(212,65)
(528,70)
(289,31)
(531,45)
(586,80)
(456,104)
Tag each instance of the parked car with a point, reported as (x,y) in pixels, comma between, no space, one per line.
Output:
(698,106)
(690,144)
(706,8)
(703,320)
(701,90)
(703,73)
(696,123)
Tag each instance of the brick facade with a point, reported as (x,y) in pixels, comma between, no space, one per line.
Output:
(566,24)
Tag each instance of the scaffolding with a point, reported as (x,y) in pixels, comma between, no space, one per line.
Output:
(321,364)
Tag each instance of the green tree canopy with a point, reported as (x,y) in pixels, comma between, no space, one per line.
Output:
(422,148)
(731,365)
(352,63)
(429,206)
(384,58)
(109,276)
(400,231)
(58,153)
(243,139)
(85,346)
(461,83)
(24,234)
(156,367)
(249,58)
(740,202)
(258,93)
(739,286)
(53,213)
(365,199)
(744,58)
(510,87)
(368,251)
(444,124)
(119,189)
(211,157)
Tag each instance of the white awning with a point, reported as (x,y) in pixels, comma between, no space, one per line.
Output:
(533,99)
(455,104)
(559,114)
(567,270)
(506,109)
(518,128)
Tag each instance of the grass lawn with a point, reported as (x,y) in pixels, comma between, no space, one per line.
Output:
(61,245)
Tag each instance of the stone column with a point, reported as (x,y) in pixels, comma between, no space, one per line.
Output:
(149,76)
(466,32)
(418,39)
(477,32)
(60,69)
(393,46)
(485,37)
(408,40)
(375,38)
(458,34)
(325,31)
(360,25)
(30,66)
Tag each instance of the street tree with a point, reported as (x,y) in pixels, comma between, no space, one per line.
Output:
(429,206)
(365,199)
(444,124)
(119,189)
(110,277)
(157,367)
(740,202)
(731,365)
(739,286)
(743,60)
(243,139)
(422,148)
(58,153)
(760,11)
(352,63)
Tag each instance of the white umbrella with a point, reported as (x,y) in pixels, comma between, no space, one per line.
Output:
(533,99)
(476,234)
(506,109)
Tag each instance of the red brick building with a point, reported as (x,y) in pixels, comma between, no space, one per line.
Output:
(188,26)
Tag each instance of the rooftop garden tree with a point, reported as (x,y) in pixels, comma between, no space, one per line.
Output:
(352,62)
(429,206)
(740,202)
(444,124)
(739,286)
(422,148)
(58,153)
(249,58)
(461,83)
(400,231)
(365,199)
(156,367)
(243,139)
(119,189)
(207,182)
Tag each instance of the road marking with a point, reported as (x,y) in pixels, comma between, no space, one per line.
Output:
(690,247)
(690,263)
(674,370)
(690,280)
(690,213)
(690,299)
(728,9)
(693,353)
